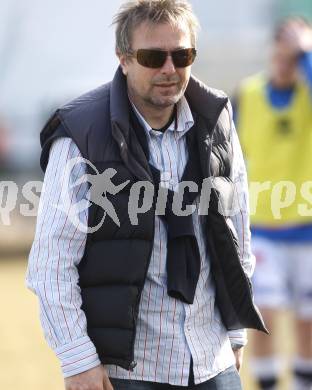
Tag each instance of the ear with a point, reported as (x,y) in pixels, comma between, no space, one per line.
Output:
(123,61)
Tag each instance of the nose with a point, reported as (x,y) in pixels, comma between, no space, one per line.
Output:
(168,67)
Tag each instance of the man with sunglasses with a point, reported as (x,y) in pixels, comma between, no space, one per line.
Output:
(162,302)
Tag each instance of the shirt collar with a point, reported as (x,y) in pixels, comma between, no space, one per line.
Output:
(185,119)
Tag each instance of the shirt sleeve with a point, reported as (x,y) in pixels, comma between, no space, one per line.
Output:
(240,220)
(56,251)
(238,337)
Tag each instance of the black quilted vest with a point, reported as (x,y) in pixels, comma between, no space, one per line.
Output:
(113,269)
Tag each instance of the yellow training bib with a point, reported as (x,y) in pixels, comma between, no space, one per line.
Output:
(277,144)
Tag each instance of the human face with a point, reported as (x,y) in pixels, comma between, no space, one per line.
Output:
(284,69)
(162,87)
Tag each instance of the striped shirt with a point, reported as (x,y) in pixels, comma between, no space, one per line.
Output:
(169,331)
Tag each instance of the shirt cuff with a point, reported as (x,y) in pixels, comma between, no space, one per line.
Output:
(77,356)
(238,337)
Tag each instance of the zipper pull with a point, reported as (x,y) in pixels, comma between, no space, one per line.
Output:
(132,365)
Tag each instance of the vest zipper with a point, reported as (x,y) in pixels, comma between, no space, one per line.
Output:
(133,363)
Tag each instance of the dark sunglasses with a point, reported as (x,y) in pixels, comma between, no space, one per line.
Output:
(154,58)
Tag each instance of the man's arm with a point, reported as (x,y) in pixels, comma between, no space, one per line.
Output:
(241,223)
(52,274)
(240,219)
(305,64)
(298,36)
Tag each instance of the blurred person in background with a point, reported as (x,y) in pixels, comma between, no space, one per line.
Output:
(274,120)
(162,303)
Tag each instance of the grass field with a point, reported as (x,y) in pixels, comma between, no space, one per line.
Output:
(26,361)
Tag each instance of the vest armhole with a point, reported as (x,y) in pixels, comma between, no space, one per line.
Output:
(53,130)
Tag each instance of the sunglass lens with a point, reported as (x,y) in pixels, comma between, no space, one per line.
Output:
(151,58)
(184,57)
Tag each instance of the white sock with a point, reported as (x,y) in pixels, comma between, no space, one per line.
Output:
(266,371)
(302,374)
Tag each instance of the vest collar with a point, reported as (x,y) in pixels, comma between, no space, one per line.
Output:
(205,101)
(208,103)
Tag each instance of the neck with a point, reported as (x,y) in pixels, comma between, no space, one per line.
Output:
(156,117)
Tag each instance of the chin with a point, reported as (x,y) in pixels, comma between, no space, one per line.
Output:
(165,101)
